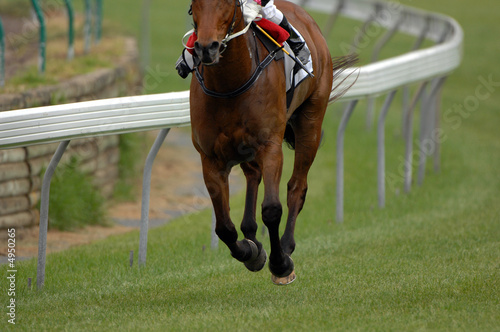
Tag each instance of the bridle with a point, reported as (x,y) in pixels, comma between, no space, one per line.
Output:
(255,76)
(229,34)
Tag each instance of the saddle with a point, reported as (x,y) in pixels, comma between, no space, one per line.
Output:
(294,73)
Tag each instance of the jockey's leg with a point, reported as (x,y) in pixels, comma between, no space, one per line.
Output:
(273,14)
(185,64)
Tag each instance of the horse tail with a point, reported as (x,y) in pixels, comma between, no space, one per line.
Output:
(340,64)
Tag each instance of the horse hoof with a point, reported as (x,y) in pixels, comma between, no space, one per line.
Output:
(258,259)
(282,281)
(284,270)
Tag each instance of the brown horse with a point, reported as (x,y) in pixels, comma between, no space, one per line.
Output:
(248,128)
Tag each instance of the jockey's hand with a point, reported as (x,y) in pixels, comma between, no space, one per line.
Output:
(251,10)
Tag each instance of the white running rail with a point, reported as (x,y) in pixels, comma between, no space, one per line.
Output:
(93,118)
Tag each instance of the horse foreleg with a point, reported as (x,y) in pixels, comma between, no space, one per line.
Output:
(249,224)
(217,183)
(271,163)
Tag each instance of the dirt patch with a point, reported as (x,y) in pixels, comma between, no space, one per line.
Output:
(177,188)
(176,183)
(27,239)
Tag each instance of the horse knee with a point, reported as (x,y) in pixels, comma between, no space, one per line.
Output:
(249,227)
(296,194)
(271,213)
(297,187)
(226,233)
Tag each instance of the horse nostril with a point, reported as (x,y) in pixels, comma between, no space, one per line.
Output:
(197,46)
(214,46)
(208,53)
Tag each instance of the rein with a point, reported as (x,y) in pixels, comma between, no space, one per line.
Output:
(245,87)
(255,76)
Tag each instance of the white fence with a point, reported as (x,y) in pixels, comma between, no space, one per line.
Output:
(428,67)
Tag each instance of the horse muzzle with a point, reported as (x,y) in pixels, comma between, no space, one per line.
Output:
(209,54)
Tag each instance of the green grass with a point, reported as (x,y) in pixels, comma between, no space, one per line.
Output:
(58,68)
(428,261)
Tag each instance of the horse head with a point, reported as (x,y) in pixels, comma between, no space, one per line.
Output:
(214,21)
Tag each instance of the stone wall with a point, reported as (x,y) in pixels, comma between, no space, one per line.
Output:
(20,168)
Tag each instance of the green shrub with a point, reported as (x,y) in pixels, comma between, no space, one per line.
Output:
(133,153)
(74,201)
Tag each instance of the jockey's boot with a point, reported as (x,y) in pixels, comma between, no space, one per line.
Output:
(297,44)
(185,64)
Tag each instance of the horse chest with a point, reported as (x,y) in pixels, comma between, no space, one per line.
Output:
(235,134)
(229,144)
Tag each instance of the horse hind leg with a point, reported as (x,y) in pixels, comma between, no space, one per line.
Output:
(308,135)
(249,224)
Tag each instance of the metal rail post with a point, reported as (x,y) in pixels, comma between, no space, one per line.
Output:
(370,109)
(429,117)
(362,32)
(146,190)
(2,55)
(87,28)
(333,19)
(340,158)
(425,130)
(437,150)
(406,90)
(364,28)
(98,21)
(381,148)
(437,108)
(427,126)
(44,213)
(43,38)
(409,136)
(145,35)
(71,30)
